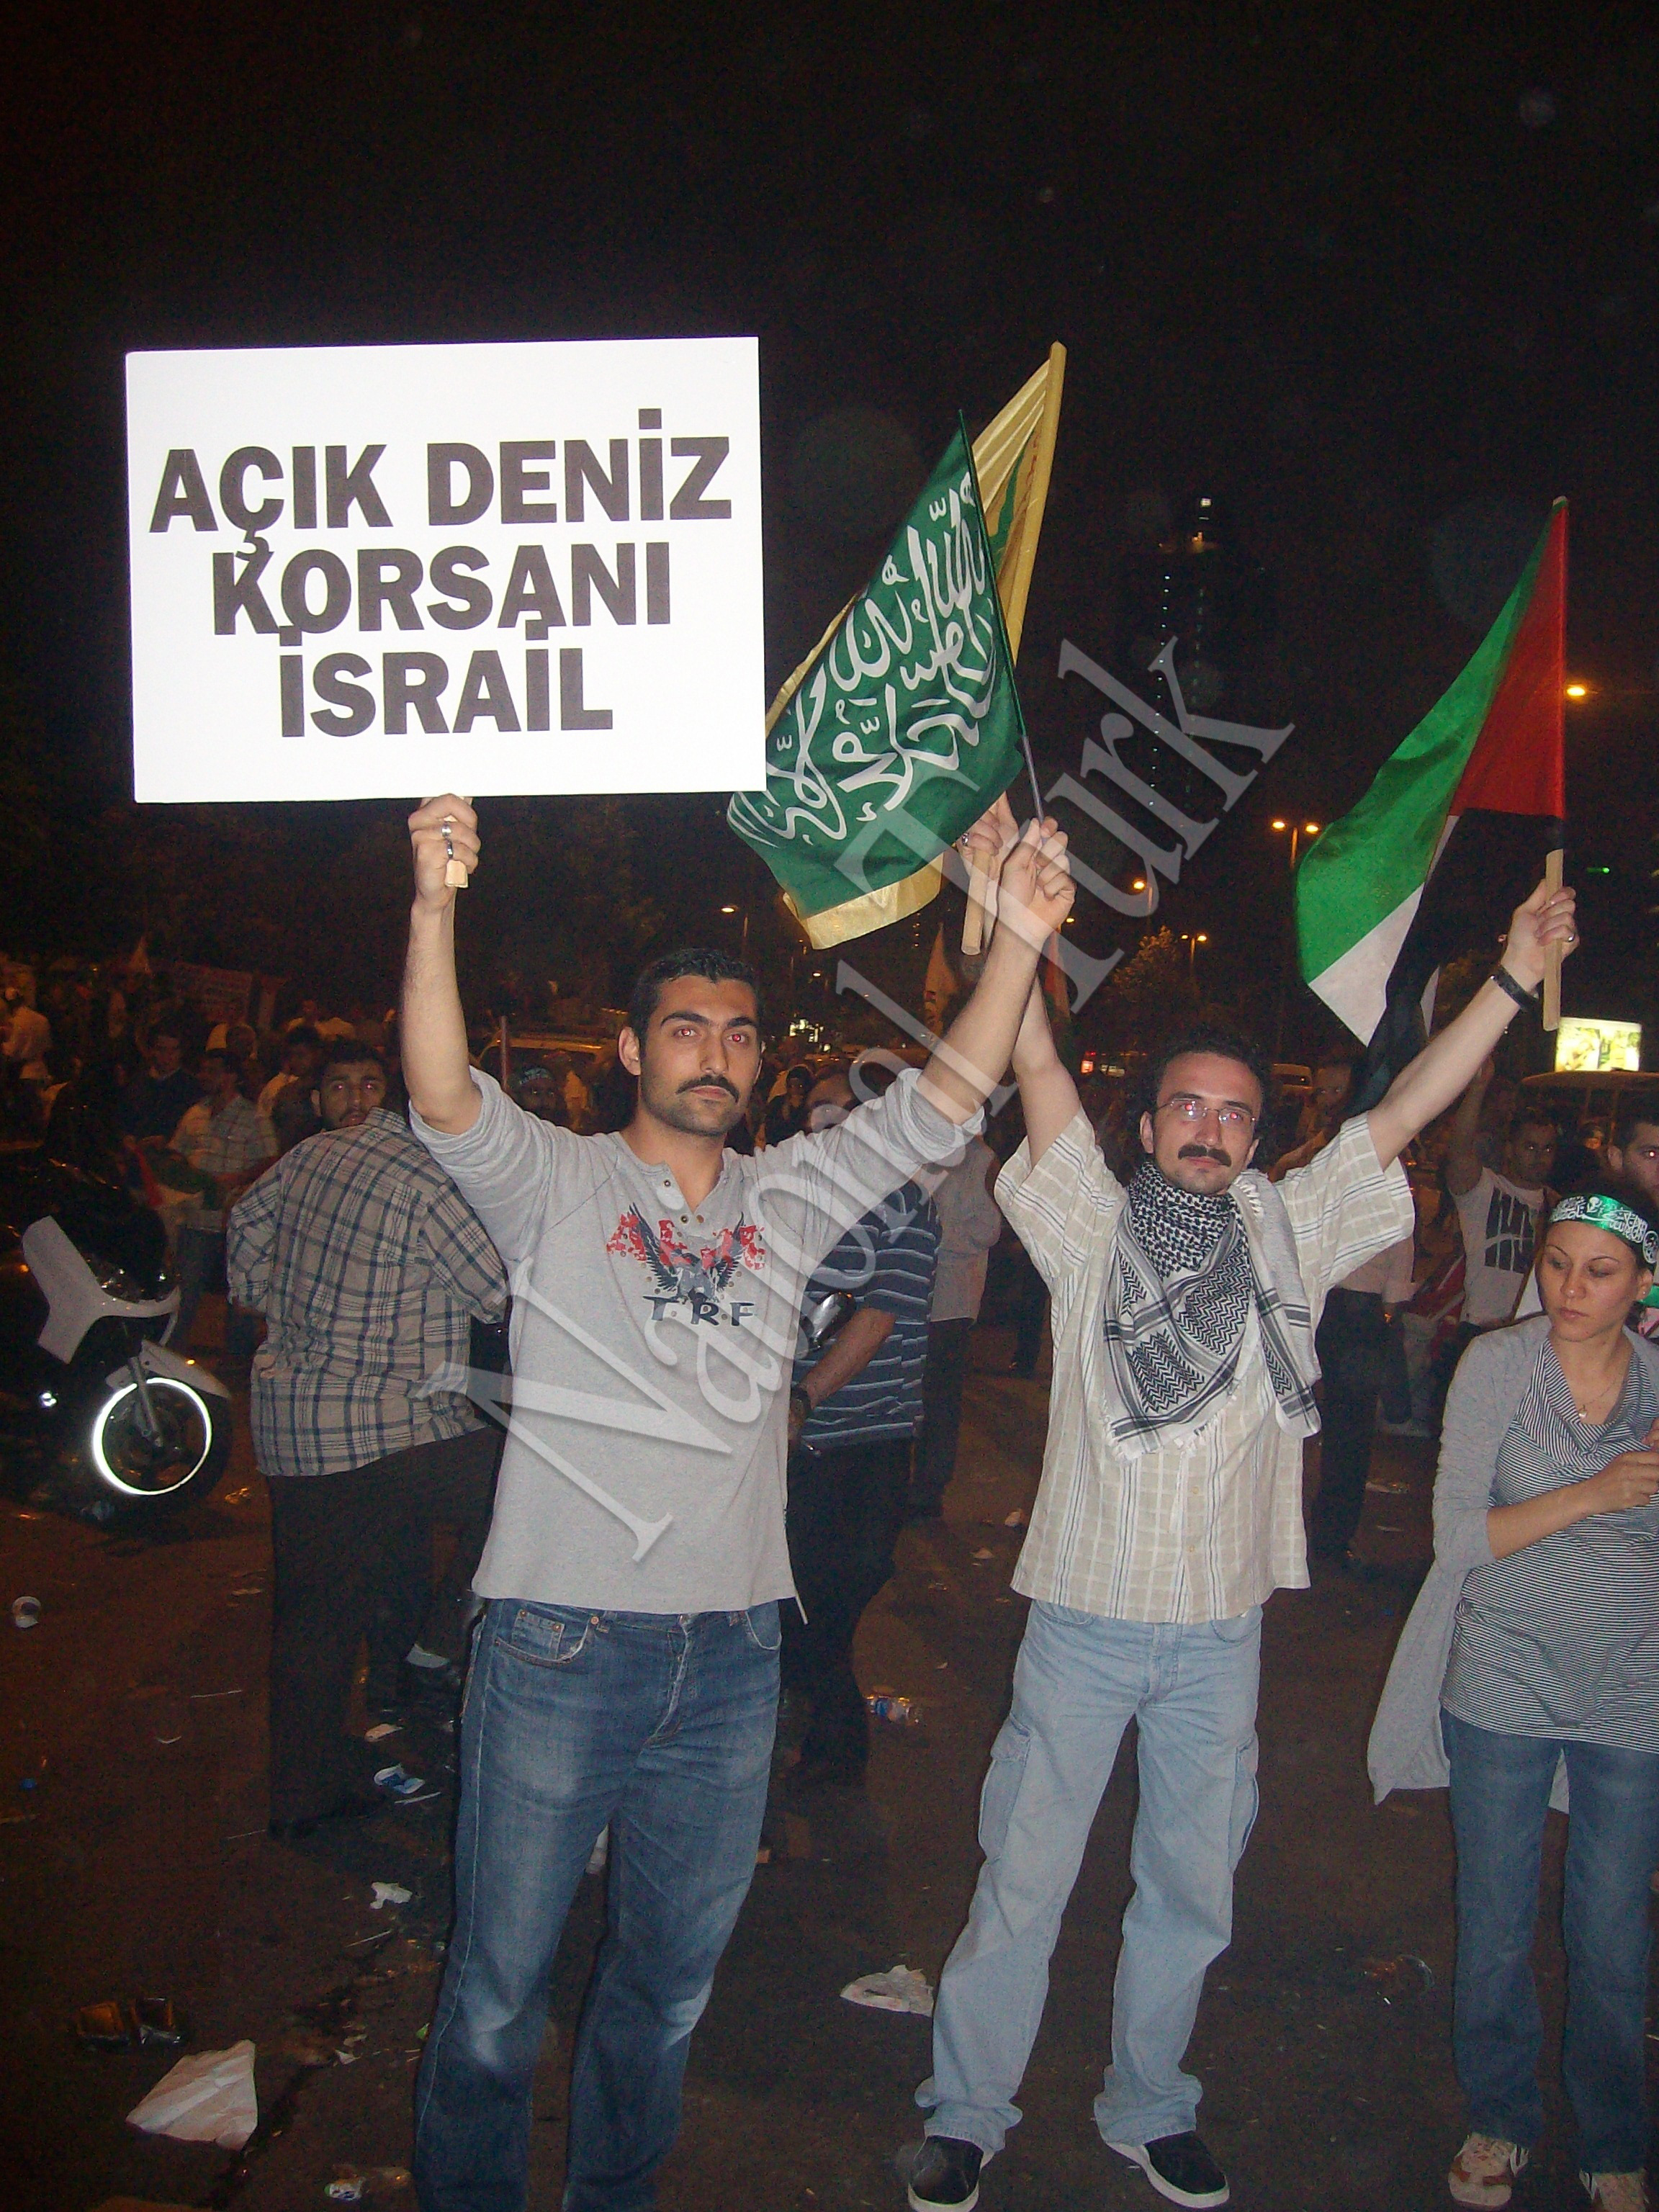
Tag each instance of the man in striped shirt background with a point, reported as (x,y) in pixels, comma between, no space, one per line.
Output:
(855,1411)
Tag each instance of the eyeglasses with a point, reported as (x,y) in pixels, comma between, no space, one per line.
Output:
(1238,1121)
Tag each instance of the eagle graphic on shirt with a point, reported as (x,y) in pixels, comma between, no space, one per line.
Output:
(699,1281)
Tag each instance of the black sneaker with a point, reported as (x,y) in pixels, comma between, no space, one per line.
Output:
(945,2174)
(1178,2167)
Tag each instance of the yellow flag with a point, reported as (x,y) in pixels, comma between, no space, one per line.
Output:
(1013,458)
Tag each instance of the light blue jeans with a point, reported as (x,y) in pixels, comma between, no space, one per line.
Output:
(1079,1682)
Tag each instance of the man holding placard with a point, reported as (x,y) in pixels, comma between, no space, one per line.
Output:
(625,1674)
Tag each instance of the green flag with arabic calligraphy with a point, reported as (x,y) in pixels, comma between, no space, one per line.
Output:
(905,726)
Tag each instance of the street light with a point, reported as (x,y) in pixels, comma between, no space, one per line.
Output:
(743,952)
(1192,941)
(1578,691)
(1298,830)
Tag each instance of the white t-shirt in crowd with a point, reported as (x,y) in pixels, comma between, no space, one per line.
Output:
(1499,1222)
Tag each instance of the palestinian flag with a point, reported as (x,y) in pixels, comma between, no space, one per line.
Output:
(1452,835)
(903,724)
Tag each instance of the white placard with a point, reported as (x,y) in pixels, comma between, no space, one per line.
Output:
(385,571)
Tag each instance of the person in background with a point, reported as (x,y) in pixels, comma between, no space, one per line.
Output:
(369,1267)
(1334,1077)
(610,1096)
(417,1636)
(969,1225)
(223,1137)
(1498,1208)
(241,1041)
(1498,1110)
(538,1091)
(1580,1156)
(28,1040)
(853,1412)
(785,1115)
(1633,1157)
(155,1101)
(301,1058)
(1533,1646)
(573,1090)
(1633,1147)
(1352,1342)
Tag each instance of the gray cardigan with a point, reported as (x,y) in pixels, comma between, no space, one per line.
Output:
(1406,1751)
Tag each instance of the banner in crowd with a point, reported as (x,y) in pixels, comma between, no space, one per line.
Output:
(904,724)
(383,571)
(218,994)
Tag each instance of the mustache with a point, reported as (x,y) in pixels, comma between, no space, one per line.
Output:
(1203,1153)
(709,1083)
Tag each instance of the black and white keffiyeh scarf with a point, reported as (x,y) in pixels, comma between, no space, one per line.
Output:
(1179,1289)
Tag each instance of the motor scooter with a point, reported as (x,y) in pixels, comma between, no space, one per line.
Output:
(98,1416)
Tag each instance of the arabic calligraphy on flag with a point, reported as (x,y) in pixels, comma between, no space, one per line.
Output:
(907,724)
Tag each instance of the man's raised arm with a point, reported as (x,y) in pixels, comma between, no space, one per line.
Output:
(1449,1062)
(1033,896)
(433,1030)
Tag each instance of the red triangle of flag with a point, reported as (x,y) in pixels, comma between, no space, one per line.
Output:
(1518,765)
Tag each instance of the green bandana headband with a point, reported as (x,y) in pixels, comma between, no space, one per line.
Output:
(1620,1221)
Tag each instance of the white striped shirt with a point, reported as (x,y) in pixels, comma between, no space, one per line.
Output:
(1561,1638)
(1203,1529)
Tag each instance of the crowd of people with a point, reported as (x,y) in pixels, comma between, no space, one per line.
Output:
(735,1295)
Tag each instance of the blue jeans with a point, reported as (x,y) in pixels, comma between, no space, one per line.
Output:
(660,1727)
(1500,1788)
(1079,1682)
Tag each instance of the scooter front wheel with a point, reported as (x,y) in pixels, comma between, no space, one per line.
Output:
(150,1467)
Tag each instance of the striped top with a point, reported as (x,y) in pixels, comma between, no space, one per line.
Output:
(1562,1639)
(887,1261)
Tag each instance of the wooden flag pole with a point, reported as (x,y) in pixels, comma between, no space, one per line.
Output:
(1013,590)
(454,872)
(972,922)
(505,1070)
(1553,952)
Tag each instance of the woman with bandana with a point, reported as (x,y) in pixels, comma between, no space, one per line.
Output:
(1532,1656)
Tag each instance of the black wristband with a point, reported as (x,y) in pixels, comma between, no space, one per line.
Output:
(1507,984)
(799,1396)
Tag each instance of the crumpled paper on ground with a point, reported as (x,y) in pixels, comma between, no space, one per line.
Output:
(899,1989)
(208,2097)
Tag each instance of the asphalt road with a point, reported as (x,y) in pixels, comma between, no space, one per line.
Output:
(133,1859)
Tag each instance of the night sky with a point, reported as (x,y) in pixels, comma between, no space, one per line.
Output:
(1383,281)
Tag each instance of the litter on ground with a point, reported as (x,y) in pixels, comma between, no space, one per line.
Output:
(207,2098)
(899,1989)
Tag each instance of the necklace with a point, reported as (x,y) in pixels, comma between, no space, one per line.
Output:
(1594,1406)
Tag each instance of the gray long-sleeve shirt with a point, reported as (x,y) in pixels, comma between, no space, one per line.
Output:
(652,1341)
(1405,1750)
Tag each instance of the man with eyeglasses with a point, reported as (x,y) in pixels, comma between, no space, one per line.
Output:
(1170,1509)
